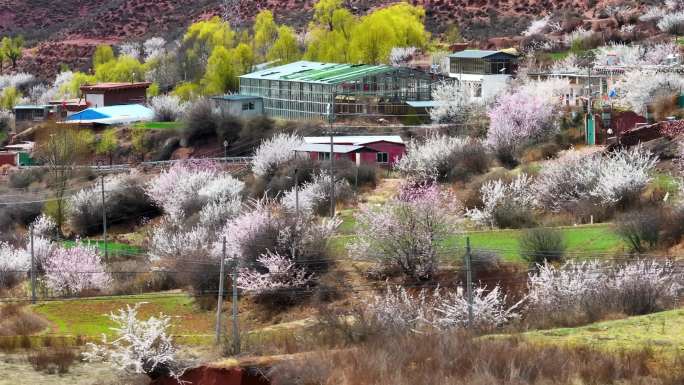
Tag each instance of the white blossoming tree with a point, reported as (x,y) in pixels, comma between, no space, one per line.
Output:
(579,177)
(187,187)
(454,103)
(638,88)
(14,265)
(140,346)
(441,310)
(497,193)
(168,108)
(275,151)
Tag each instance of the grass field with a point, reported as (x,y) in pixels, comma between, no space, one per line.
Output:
(88,318)
(586,240)
(663,332)
(113,248)
(160,125)
(559,55)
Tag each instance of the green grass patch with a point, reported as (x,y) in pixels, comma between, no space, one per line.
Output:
(665,183)
(662,331)
(160,125)
(89,317)
(558,55)
(585,240)
(113,248)
(680,40)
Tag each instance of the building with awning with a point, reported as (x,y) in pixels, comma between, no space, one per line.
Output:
(112,115)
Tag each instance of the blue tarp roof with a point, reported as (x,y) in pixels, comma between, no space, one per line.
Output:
(113,114)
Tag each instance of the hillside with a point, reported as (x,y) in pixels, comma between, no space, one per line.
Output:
(67,31)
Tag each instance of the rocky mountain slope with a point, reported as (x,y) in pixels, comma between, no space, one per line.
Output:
(67,31)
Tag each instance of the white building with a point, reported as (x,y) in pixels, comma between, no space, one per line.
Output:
(488,71)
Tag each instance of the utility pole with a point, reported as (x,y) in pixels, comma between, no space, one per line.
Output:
(33,270)
(225,148)
(220,294)
(296,188)
(331,110)
(104,219)
(469,282)
(236,330)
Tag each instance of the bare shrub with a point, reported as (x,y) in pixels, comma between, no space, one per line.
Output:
(542,245)
(53,360)
(16,320)
(24,178)
(641,229)
(200,122)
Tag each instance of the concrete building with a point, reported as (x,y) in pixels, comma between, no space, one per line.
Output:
(582,84)
(112,94)
(489,72)
(328,91)
(239,105)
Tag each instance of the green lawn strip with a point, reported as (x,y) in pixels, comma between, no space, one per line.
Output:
(89,317)
(662,331)
(582,240)
(348,221)
(160,125)
(113,248)
(559,55)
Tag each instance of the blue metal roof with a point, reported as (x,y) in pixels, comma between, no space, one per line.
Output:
(235,97)
(477,54)
(114,114)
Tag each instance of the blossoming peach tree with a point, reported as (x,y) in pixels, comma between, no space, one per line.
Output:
(408,232)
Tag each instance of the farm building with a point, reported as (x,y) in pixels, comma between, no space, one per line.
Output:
(327,91)
(31,112)
(239,105)
(382,150)
(112,94)
(488,71)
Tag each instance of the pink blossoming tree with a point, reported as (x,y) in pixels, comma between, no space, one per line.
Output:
(407,233)
(71,270)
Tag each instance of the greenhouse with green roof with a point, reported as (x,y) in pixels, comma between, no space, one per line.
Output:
(327,91)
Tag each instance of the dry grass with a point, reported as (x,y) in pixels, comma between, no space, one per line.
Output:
(53,360)
(460,359)
(15,320)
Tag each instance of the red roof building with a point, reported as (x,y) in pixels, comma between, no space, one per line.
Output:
(382,150)
(113,94)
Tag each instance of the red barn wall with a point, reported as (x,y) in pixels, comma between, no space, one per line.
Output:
(8,158)
(394,150)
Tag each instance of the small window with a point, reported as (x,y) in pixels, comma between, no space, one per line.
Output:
(245,106)
(251,105)
(323,156)
(382,157)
